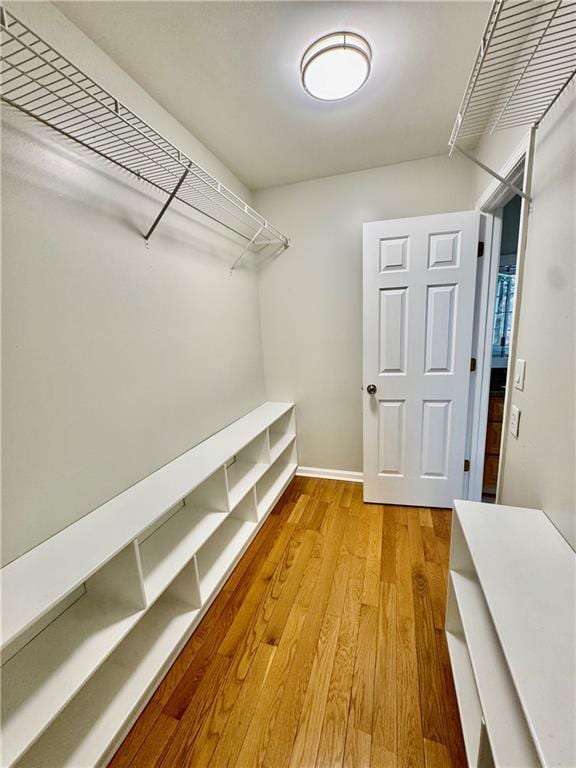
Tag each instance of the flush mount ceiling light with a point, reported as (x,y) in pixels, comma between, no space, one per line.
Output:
(336,66)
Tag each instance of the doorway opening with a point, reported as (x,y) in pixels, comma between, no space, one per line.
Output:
(500,343)
(498,299)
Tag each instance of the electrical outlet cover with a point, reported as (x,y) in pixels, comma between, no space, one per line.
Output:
(514,421)
(519,374)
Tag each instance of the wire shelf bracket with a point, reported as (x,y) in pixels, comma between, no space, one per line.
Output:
(501,179)
(526,60)
(40,82)
(165,207)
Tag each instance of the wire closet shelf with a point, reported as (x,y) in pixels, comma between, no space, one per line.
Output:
(526,59)
(43,84)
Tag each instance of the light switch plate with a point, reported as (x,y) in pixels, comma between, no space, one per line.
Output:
(514,421)
(519,373)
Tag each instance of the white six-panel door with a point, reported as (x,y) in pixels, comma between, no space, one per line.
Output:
(419,286)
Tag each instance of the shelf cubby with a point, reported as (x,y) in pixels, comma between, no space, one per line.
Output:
(282,433)
(247,508)
(271,486)
(170,544)
(221,552)
(246,468)
(45,674)
(464,682)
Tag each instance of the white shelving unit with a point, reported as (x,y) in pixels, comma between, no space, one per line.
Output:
(95,615)
(37,80)
(511,636)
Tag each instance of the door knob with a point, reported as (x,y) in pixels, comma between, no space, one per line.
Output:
(371,389)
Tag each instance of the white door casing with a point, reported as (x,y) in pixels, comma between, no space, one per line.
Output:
(419,288)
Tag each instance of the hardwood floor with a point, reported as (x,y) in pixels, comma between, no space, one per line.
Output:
(325,648)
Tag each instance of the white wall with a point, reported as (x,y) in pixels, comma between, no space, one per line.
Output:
(539,466)
(494,150)
(116,358)
(311,297)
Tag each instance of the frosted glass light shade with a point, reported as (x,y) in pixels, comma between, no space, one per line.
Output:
(336,66)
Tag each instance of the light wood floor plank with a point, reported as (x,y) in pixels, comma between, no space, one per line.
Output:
(404,600)
(429,674)
(313,707)
(371,593)
(285,600)
(358,746)
(262,597)
(362,702)
(410,739)
(262,726)
(388,554)
(425,517)
(346,494)
(156,740)
(333,735)
(237,700)
(278,751)
(455,740)
(437,586)
(384,750)
(182,741)
(437,756)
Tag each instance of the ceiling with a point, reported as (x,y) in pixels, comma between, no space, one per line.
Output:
(229,72)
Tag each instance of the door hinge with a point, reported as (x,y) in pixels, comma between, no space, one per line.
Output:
(472,364)
(466,465)
(480,249)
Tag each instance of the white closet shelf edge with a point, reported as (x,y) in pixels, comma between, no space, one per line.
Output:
(41,578)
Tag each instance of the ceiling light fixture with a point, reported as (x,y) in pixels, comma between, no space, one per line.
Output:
(336,66)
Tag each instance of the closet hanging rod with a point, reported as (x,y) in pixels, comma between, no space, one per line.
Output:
(45,85)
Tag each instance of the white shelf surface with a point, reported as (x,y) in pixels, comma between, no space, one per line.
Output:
(468,703)
(220,553)
(510,738)
(279,442)
(98,714)
(165,553)
(42,678)
(528,577)
(273,493)
(37,581)
(242,476)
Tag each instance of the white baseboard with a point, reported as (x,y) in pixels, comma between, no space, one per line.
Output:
(330,474)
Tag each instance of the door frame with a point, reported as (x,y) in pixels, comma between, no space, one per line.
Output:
(492,201)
